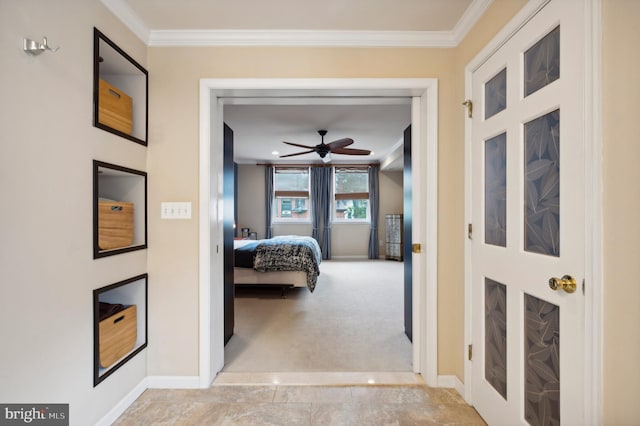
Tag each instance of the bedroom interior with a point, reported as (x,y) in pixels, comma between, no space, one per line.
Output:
(257,128)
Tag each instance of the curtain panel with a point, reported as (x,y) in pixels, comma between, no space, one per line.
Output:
(268,200)
(374,206)
(321,185)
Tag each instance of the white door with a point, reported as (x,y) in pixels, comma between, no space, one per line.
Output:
(528,216)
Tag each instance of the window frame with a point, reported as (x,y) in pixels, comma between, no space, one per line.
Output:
(349,196)
(293,195)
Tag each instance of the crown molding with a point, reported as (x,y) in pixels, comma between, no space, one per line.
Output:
(299,38)
(302,38)
(469,18)
(129,18)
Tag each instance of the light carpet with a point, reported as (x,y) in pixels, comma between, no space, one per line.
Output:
(353,321)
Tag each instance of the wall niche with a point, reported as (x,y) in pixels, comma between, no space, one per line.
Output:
(119,324)
(119,209)
(120,91)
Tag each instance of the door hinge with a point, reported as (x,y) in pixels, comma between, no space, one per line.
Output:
(470,352)
(583,286)
(470,231)
(416,248)
(469,104)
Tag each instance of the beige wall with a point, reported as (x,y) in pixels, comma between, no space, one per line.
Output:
(175,74)
(46,256)
(621,292)
(174,83)
(391,201)
(347,240)
(251,205)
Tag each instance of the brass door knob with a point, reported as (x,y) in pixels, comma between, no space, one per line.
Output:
(566,283)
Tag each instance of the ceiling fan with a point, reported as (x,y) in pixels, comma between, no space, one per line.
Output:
(325,150)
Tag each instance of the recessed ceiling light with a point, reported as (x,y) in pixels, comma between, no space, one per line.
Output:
(275,153)
(371,153)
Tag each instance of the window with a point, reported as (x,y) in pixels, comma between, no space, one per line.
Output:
(291,192)
(351,189)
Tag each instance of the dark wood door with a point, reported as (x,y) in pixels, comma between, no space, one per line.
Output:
(228,182)
(408,204)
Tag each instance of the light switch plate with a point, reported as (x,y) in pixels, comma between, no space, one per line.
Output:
(175,210)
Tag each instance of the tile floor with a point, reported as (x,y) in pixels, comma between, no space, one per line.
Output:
(303,393)
(301,405)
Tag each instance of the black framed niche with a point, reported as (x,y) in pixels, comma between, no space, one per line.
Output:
(120,91)
(119,324)
(119,209)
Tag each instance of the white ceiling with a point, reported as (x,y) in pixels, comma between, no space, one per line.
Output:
(365,15)
(407,23)
(260,129)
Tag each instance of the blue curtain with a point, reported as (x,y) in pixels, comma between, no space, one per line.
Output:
(374,206)
(321,208)
(268,200)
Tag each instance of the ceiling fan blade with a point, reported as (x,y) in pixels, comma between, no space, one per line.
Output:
(298,153)
(351,151)
(340,143)
(298,145)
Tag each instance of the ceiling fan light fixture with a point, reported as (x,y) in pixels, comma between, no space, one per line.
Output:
(325,149)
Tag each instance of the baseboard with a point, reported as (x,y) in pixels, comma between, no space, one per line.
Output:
(349,258)
(123,404)
(451,382)
(173,382)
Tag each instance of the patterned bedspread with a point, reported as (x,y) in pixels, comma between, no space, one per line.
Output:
(288,253)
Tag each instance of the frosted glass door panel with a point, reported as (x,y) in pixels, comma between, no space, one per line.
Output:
(542,63)
(542,184)
(495,94)
(495,181)
(541,362)
(495,358)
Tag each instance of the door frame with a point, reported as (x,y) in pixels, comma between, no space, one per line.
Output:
(214,93)
(593,250)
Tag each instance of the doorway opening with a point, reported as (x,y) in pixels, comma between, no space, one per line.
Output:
(214,94)
(353,320)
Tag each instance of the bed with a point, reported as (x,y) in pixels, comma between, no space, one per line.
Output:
(283,261)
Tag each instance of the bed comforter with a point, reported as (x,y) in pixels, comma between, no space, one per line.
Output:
(283,253)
